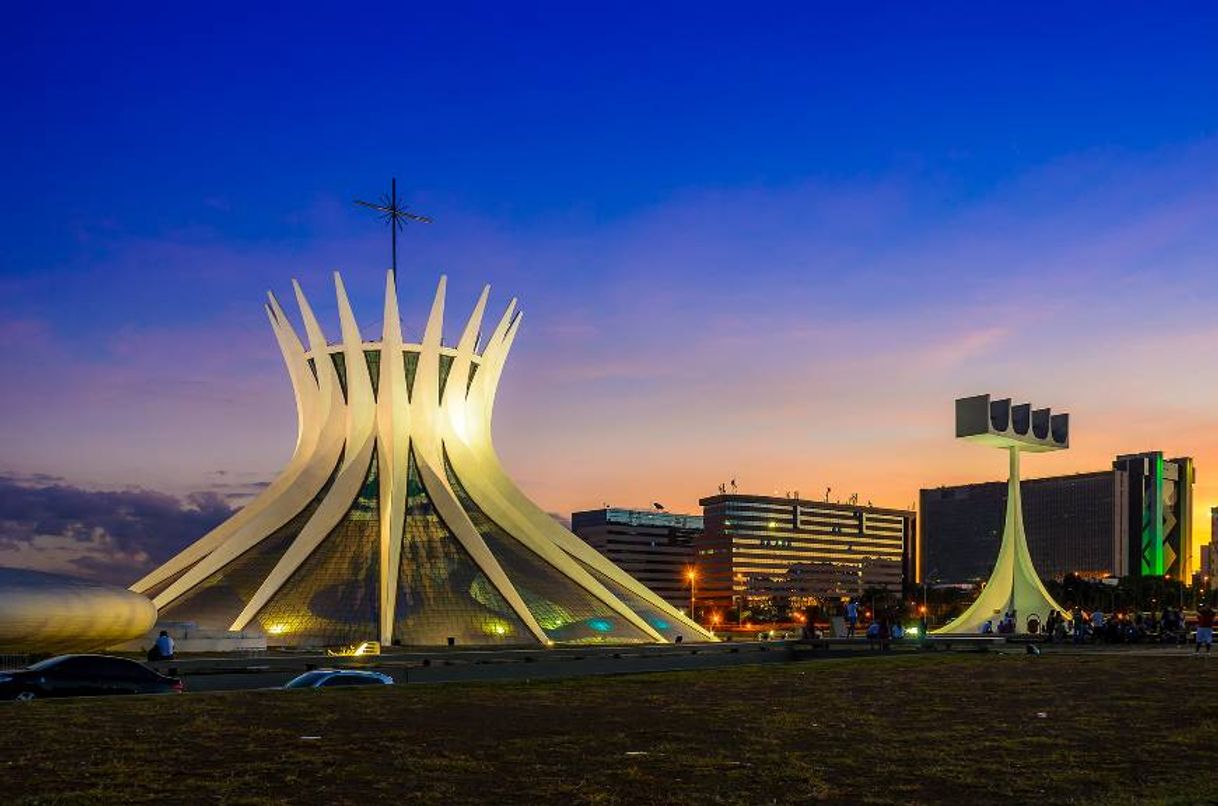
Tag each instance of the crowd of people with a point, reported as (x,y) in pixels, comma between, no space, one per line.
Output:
(1171,625)
(1124,627)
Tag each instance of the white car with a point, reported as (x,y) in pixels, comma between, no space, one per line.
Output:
(334,678)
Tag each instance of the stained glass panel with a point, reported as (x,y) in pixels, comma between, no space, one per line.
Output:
(217,601)
(441,591)
(340,366)
(373,359)
(661,622)
(446,366)
(410,362)
(566,612)
(332,598)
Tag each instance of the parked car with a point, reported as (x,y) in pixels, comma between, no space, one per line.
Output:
(84,676)
(333,678)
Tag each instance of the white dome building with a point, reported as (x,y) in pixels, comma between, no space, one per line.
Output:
(394,520)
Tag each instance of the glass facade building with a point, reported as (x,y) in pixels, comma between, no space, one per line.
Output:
(762,546)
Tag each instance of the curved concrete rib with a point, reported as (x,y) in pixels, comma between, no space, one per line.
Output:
(427,444)
(492,476)
(393,454)
(464,431)
(329,421)
(293,357)
(458,522)
(469,470)
(360,439)
(443,429)
(1014,584)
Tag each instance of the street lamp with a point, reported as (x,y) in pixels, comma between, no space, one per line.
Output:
(692,575)
(740,608)
(933,573)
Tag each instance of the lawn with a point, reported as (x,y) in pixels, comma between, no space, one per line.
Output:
(1116,728)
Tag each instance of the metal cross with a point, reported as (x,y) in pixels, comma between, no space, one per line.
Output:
(395,215)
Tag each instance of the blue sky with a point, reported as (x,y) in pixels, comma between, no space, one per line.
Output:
(743,236)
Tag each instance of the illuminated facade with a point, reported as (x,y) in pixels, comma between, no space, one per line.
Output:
(751,543)
(1154,515)
(1013,586)
(394,520)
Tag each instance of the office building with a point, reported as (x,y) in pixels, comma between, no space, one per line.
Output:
(1131,519)
(656,548)
(757,547)
(1208,568)
(1154,500)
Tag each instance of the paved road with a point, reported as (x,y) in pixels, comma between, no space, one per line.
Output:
(223,674)
(231,672)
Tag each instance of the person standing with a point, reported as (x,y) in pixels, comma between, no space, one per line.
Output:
(1097,625)
(1205,629)
(1076,619)
(852,618)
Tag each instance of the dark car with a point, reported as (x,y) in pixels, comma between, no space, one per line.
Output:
(334,678)
(84,676)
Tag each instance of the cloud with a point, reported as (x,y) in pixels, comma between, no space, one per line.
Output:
(112,536)
(794,336)
(964,346)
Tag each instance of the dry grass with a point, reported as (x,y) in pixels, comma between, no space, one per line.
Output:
(967,729)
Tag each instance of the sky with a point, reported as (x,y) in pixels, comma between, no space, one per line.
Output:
(770,244)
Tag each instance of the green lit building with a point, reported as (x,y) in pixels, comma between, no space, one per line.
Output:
(1153,519)
(1132,519)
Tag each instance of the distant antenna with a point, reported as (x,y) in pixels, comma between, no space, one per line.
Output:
(827,491)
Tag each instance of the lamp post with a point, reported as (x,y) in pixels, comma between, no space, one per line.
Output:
(740,608)
(692,575)
(934,572)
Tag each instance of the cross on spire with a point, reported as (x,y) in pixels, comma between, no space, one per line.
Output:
(395,214)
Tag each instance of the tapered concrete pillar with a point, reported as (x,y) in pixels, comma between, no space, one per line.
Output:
(1013,586)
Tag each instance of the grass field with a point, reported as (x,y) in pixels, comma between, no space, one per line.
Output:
(968,729)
